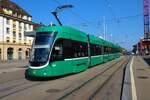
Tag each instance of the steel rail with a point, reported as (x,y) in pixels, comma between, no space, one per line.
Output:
(88,81)
(98,89)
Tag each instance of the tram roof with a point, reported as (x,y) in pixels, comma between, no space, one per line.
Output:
(74,34)
(65,32)
(58,29)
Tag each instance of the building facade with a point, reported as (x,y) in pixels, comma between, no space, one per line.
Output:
(14,21)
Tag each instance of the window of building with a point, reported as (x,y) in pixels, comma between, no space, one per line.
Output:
(30,42)
(25,27)
(30,26)
(20,36)
(7,21)
(19,49)
(0,53)
(19,41)
(7,39)
(20,54)
(14,41)
(25,40)
(20,27)
(10,52)
(19,16)
(27,53)
(14,24)
(7,30)
(14,34)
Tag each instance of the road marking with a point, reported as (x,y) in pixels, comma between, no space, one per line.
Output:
(133,88)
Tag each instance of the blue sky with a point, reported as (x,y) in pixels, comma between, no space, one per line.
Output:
(124,20)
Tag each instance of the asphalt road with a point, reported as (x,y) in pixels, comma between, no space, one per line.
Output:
(14,86)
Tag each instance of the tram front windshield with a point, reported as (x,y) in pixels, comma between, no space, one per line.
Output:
(41,48)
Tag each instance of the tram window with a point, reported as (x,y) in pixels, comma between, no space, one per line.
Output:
(102,50)
(98,50)
(95,49)
(62,50)
(57,52)
(67,49)
(112,50)
(106,50)
(115,50)
(109,50)
(80,49)
(92,50)
(84,49)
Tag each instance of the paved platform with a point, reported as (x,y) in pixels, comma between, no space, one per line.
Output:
(141,73)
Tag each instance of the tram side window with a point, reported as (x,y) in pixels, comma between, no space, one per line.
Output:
(118,50)
(62,50)
(80,49)
(95,49)
(112,50)
(57,51)
(107,50)
(98,50)
(67,49)
(92,51)
(115,50)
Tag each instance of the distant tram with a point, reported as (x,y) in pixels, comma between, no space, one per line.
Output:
(60,50)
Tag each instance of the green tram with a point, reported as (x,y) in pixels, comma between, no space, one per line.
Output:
(60,50)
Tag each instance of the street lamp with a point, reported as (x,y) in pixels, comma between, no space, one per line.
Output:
(60,9)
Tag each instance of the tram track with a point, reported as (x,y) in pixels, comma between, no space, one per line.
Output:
(30,86)
(22,84)
(12,76)
(73,91)
(13,86)
(124,64)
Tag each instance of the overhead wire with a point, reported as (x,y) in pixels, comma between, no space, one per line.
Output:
(115,19)
(85,22)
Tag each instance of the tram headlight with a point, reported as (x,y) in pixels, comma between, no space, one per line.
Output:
(34,72)
(44,73)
